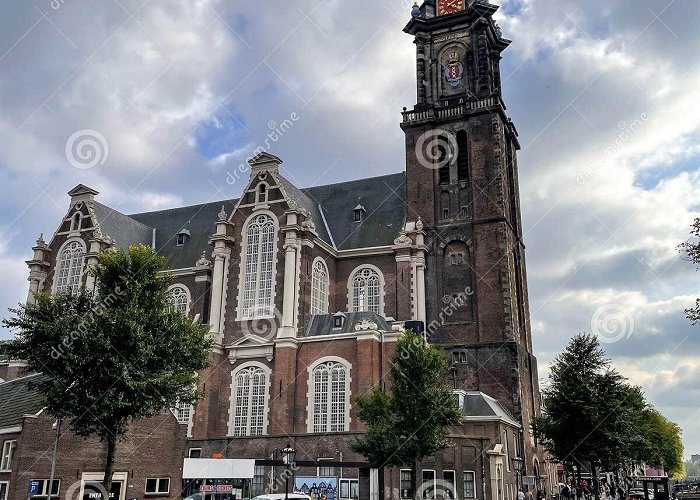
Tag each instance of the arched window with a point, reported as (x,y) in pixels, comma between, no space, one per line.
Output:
(70,268)
(249,388)
(330,397)
(366,290)
(258,267)
(179,299)
(319,288)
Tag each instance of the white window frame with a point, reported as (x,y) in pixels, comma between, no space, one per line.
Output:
(190,450)
(349,482)
(179,410)
(319,467)
(429,489)
(351,289)
(464,484)
(506,450)
(233,402)
(188,297)
(260,195)
(43,492)
(260,307)
(8,451)
(453,483)
(7,489)
(401,490)
(327,425)
(320,286)
(58,267)
(158,490)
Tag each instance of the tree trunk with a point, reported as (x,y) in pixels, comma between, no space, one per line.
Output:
(594,481)
(109,464)
(414,479)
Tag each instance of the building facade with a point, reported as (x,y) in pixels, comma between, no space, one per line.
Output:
(307,289)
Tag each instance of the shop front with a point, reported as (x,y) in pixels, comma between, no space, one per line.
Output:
(217,479)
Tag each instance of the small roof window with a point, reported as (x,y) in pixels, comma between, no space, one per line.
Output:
(358,213)
(182,236)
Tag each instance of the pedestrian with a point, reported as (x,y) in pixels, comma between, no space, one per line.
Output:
(521,495)
(566,492)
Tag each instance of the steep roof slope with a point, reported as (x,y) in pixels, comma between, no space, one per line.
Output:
(18,398)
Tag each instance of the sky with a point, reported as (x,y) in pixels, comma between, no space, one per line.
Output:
(174,95)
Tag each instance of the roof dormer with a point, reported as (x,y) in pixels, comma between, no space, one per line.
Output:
(358,213)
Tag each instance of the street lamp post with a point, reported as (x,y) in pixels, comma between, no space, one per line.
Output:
(288,460)
(518,466)
(57,427)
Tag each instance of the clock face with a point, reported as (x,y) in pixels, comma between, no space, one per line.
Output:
(449,6)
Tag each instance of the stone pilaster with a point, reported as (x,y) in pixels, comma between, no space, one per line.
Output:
(222,241)
(38,269)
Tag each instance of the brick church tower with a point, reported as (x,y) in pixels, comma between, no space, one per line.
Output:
(462,181)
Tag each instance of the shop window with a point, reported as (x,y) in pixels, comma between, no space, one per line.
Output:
(258,484)
(158,485)
(349,489)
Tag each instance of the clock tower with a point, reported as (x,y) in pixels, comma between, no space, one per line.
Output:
(462,182)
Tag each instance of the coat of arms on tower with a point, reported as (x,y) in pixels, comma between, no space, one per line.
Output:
(453,69)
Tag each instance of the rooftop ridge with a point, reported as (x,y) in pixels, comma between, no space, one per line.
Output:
(302,189)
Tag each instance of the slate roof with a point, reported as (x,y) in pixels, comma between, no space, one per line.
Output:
(197,219)
(17,399)
(124,230)
(322,324)
(478,404)
(383,198)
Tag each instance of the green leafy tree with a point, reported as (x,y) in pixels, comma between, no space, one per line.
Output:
(413,421)
(664,446)
(691,250)
(590,411)
(115,355)
(594,416)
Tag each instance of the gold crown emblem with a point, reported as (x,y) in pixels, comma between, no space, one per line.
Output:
(453,57)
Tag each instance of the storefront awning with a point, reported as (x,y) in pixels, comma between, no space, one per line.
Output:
(218,468)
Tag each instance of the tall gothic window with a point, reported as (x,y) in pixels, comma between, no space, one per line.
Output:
(70,268)
(319,288)
(179,299)
(258,267)
(330,397)
(249,402)
(365,288)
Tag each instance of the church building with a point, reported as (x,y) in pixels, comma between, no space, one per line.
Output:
(306,290)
